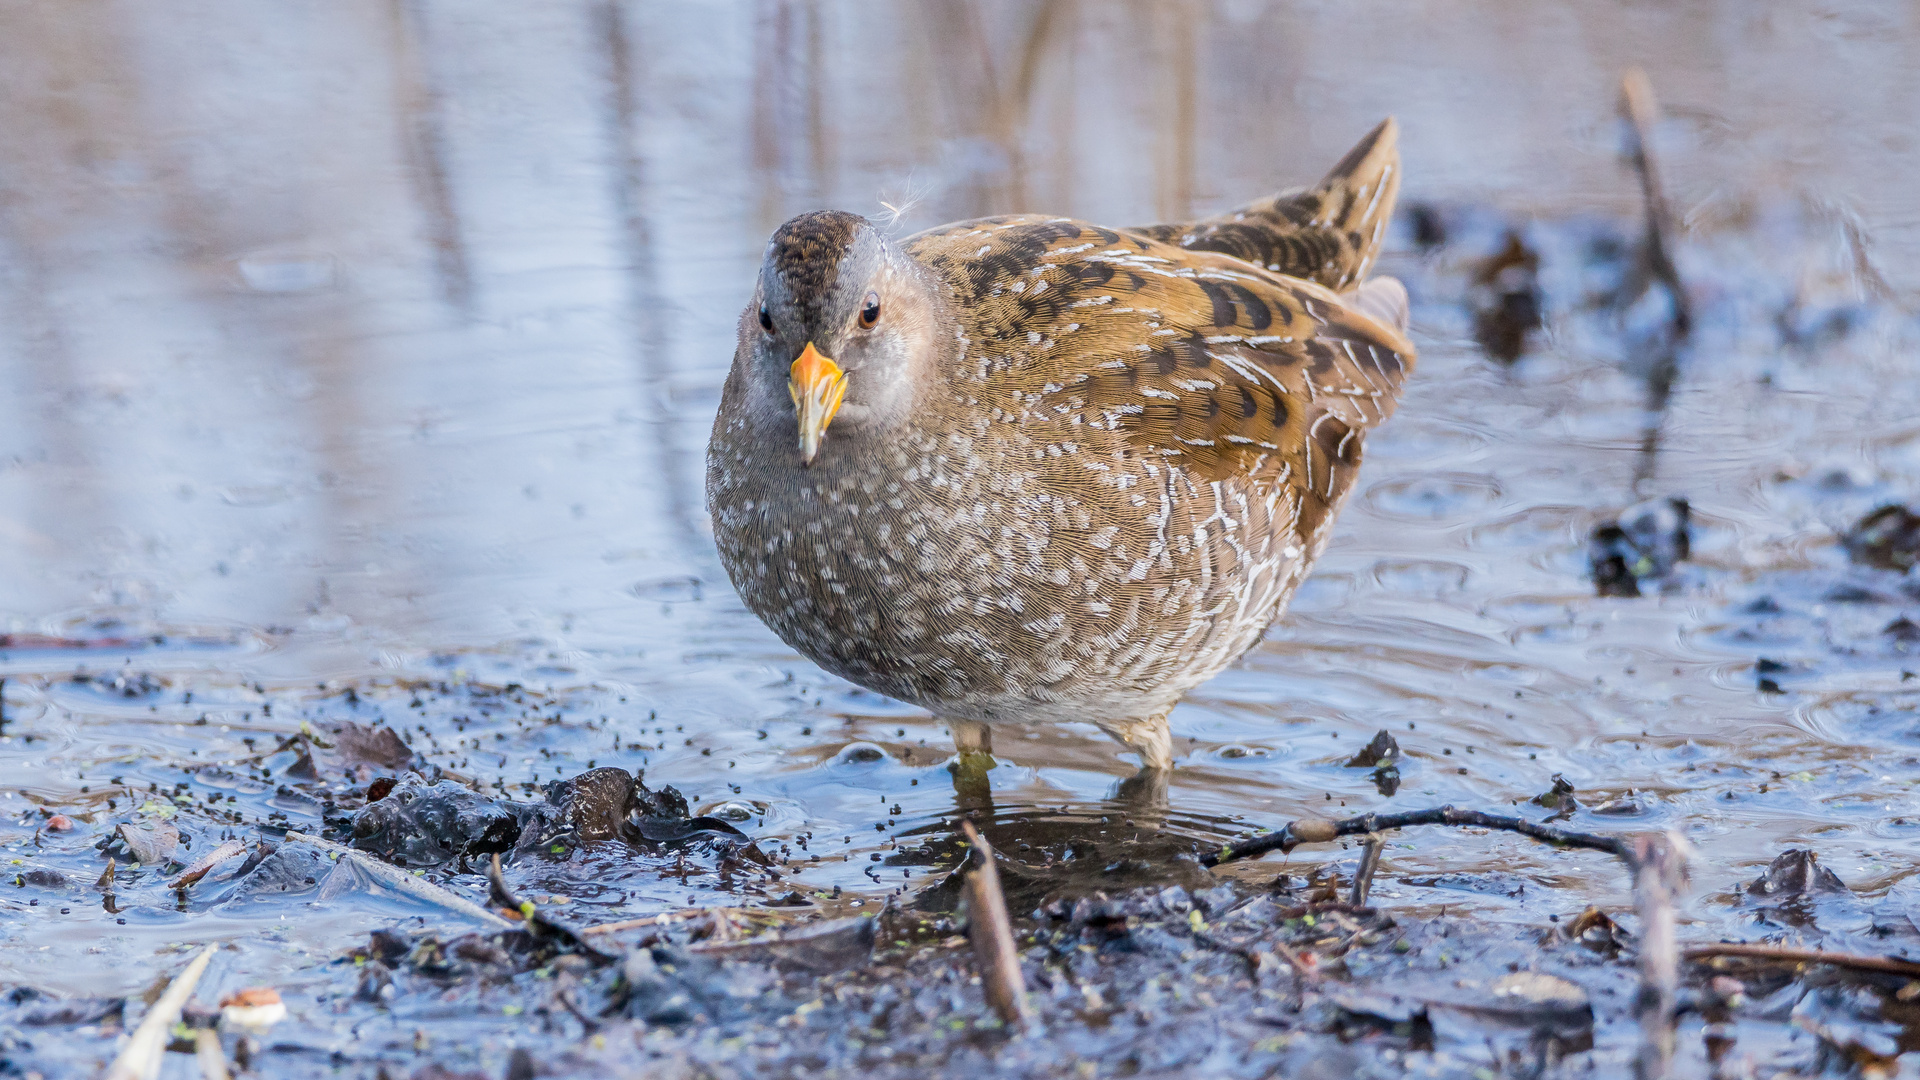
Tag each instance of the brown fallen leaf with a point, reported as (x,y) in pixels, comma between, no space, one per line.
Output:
(227,850)
(358,744)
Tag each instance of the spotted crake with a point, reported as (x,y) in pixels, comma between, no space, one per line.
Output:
(1023,469)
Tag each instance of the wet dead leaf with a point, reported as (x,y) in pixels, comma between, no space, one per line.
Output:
(148,846)
(357,744)
(1887,538)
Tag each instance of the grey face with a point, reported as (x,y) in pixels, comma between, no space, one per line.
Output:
(840,324)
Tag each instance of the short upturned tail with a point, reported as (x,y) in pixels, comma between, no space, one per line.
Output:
(1329,233)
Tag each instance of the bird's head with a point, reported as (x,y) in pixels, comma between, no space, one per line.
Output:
(837,331)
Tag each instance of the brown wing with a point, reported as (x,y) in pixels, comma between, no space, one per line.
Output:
(1329,233)
(1195,358)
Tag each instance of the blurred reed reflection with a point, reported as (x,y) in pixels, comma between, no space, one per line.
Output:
(409,315)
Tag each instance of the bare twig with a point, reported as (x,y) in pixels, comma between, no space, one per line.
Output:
(1659,875)
(992,934)
(587,1023)
(140,1058)
(401,881)
(1322,830)
(1785,954)
(1363,877)
(538,922)
(1642,112)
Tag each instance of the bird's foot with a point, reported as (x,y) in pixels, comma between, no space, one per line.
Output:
(971,785)
(1145,792)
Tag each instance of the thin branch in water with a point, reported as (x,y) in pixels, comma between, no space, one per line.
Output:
(1363,877)
(1323,830)
(1786,954)
(992,934)
(538,922)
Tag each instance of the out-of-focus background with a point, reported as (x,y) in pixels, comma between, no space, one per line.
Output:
(405,320)
(371,339)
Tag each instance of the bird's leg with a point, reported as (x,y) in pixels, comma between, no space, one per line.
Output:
(1153,741)
(974,741)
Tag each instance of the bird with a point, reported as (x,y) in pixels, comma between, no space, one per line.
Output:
(1026,469)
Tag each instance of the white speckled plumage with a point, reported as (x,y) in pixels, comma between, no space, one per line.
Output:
(1081,470)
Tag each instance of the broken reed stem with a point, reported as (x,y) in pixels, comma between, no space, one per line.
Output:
(1642,111)
(1785,954)
(140,1058)
(992,934)
(401,881)
(1363,877)
(208,1052)
(1659,865)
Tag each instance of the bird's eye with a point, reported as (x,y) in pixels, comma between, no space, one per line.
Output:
(870,314)
(766,319)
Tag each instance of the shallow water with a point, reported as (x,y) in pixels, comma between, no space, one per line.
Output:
(375,347)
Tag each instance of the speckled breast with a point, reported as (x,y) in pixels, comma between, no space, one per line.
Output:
(994,572)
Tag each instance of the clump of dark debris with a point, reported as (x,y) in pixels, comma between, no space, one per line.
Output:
(1888,538)
(1505,298)
(1646,543)
(417,823)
